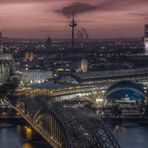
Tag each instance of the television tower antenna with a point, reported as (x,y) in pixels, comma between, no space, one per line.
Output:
(73,24)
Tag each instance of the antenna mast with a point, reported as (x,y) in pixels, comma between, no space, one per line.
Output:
(73,24)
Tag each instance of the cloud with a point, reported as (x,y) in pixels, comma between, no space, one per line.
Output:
(77,7)
(143,15)
(105,5)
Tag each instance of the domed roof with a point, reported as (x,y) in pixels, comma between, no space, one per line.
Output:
(125,89)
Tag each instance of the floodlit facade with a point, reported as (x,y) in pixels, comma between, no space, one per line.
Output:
(84,66)
(146,39)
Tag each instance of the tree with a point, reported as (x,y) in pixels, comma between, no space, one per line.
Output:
(13,83)
(3,90)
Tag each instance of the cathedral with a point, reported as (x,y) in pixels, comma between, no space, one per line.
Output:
(7,67)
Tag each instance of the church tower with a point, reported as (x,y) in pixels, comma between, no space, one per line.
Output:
(7,67)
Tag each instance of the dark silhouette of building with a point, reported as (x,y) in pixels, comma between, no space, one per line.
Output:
(48,43)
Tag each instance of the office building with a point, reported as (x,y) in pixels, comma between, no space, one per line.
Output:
(146,38)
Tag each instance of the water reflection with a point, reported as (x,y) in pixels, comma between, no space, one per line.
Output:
(19,128)
(27,145)
(127,137)
(13,137)
(8,137)
(118,128)
(135,137)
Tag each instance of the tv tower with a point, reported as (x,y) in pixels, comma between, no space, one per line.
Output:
(73,24)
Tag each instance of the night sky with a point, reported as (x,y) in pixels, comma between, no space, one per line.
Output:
(101,18)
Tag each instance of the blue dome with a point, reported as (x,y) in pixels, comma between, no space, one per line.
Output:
(125,89)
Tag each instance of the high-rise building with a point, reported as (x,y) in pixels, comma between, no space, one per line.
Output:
(48,43)
(84,66)
(146,38)
(1,44)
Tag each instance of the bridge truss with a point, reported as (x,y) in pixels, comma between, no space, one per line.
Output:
(64,123)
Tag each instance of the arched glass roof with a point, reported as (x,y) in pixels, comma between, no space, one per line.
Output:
(125,90)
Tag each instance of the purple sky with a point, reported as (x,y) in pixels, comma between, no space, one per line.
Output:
(101,18)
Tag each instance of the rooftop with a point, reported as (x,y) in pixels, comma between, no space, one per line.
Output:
(6,57)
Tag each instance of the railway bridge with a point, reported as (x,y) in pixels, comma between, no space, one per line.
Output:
(63,123)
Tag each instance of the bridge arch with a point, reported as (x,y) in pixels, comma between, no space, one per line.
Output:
(47,120)
(62,125)
(23,105)
(54,126)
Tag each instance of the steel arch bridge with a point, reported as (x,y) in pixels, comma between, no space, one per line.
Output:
(66,123)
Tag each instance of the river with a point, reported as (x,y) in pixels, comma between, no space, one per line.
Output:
(11,138)
(136,137)
(127,137)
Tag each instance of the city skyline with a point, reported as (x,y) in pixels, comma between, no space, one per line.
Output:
(102,19)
